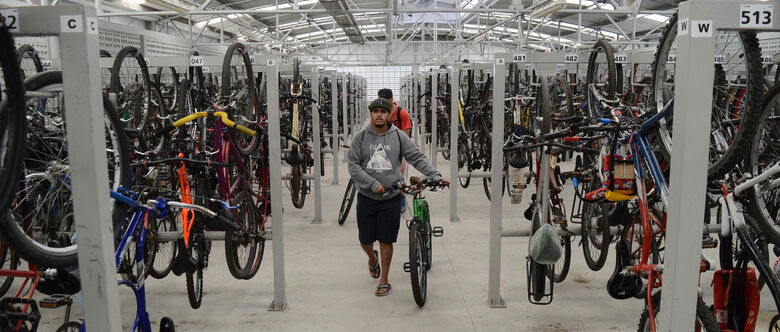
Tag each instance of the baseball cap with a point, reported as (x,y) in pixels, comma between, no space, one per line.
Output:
(380,103)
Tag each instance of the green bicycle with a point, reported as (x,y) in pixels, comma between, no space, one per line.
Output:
(421,234)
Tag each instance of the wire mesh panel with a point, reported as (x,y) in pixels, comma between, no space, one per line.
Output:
(378,77)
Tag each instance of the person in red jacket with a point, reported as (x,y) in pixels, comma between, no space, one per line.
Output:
(399,117)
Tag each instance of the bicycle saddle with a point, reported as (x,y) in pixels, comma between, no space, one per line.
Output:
(518,159)
(294,157)
(619,286)
(184,262)
(64,281)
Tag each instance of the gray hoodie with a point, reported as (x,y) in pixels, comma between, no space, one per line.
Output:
(375,159)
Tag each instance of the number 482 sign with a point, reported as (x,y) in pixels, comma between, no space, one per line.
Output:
(755,15)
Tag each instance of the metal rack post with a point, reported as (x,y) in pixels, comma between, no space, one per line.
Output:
(279,302)
(315,141)
(76,27)
(344,110)
(497,181)
(434,117)
(454,120)
(334,119)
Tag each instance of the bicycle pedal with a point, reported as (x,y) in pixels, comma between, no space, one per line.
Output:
(407,267)
(438,231)
(56,301)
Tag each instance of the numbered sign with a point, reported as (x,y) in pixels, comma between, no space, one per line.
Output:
(621,58)
(756,16)
(560,67)
(148,63)
(46,64)
(252,59)
(270,62)
(720,59)
(767,59)
(571,58)
(196,61)
(10,18)
(205,70)
(671,58)
(520,57)
(444,70)
(466,66)
(528,66)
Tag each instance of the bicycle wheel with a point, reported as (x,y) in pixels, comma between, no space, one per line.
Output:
(705,320)
(595,234)
(561,97)
(12,119)
(165,252)
(764,153)
(538,271)
(195,280)
(464,160)
(298,185)
(71,326)
(346,203)
(29,62)
(39,226)
(602,76)
(732,124)
(157,118)
(417,262)
(238,90)
(167,80)
(132,86)
(241,250)
(9,262)
(428,235)
(561,269)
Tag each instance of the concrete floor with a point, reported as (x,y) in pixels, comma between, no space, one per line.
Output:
(328,286)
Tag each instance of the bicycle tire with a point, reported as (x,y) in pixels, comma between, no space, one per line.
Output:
(559,275)
(27,51)
(752,114)
(244,239)
(601,46)
(417,270)
(163,261)
(298,186)
(71,326)
(117,87)
(428,235)
(246,111)
(704,316)
(591,231)
(762,156)
(12,119)
(25,246)
(538,271)
(6,255)
(346,203)
(558,81)
(486,185)
(464,152)
(195,279)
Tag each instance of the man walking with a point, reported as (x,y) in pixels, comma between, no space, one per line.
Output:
(374,165)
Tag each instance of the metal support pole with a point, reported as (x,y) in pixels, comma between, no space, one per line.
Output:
(497,180)
(89,174)
(344,111)
(693,84)
(275,172)
(334,119)
(315,94)
(454,120)
(434,116)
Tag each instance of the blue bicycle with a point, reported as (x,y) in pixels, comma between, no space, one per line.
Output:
(131,248)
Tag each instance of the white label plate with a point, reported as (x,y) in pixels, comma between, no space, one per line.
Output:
(10,17)
(71,23)
(520,57)
(571,58)
(621,58)
(756,15)
(196,61)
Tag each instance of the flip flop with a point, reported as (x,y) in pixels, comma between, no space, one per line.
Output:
(375,270)
(380,287)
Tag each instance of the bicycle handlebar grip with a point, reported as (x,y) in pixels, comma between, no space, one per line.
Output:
(163,130)
(226,222)
(606,121)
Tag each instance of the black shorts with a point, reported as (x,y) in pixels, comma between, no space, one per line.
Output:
(378,220)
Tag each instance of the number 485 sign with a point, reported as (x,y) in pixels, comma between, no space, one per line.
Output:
(754,15)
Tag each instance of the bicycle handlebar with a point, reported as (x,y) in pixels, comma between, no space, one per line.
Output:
(179,205)
(186,160)
(218,114)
